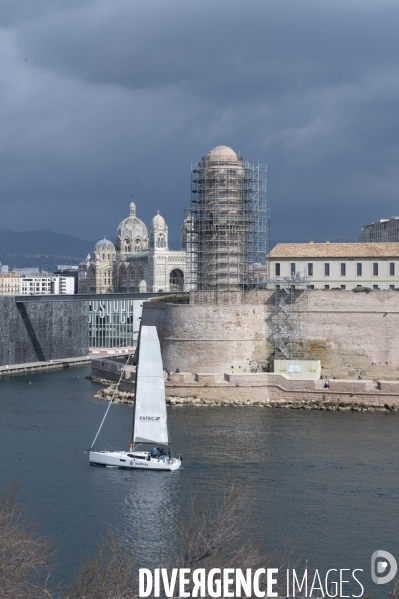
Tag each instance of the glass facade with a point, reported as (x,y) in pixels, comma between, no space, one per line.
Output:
(114,323)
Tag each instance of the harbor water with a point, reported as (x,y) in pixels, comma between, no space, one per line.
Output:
(325,482)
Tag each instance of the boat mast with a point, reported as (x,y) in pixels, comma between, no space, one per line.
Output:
(135,384)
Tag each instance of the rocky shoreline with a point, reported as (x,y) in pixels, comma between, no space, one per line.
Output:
(122,397)
(298,405)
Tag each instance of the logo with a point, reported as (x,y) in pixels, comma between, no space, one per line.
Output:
(380,560)
(149,417)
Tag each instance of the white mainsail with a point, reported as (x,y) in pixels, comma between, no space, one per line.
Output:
(150,424)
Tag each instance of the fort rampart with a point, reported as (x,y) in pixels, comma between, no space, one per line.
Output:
(355,335)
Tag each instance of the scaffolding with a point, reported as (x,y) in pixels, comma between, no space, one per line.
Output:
(226,229)
(288,319)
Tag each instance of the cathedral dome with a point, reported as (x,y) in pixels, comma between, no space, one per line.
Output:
(104,245)
(158,222)
(132,227)
(222,153)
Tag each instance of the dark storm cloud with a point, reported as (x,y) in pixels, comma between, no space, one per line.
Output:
(103,99)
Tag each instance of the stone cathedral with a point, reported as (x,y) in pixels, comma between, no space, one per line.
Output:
(138,262)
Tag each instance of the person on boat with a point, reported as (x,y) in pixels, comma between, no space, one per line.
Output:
(154,452)
(169,453)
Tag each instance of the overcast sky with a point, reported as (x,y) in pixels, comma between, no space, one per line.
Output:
(103,99)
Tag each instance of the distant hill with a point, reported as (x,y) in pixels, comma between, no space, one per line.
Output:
(43,248)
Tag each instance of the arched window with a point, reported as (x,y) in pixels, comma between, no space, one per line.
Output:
(109,256)
(161,241)
(176,280)
(137,245)
(103,256)
(126,244)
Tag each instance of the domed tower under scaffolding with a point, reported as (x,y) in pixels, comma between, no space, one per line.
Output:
(227,224)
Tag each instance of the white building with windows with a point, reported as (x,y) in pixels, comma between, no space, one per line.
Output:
(10,284)
(338,265)
(47,285)
(139,261)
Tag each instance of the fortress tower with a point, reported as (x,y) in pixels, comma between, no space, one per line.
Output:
(227,226)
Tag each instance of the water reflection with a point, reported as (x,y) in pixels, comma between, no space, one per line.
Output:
(329,481)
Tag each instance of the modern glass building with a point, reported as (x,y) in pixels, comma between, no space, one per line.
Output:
(114,323)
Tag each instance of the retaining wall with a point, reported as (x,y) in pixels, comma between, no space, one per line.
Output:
(40,331)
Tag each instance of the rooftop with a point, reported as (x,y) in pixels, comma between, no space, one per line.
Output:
(335,250)
(223,153)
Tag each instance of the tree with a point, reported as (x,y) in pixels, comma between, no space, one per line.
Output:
(25,556)
(212,538)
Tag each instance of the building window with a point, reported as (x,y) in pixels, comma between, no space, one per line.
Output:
(392,287)
(343,270)
(277,269)
(375,286)
(375,269)
(392,269)
(343,286)
(310,286)
(310,269)
(359,269)
(326,286)
(292,269)
(327,269)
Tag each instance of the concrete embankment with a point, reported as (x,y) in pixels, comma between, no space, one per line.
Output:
(28,367)
(268,390)
(278,389)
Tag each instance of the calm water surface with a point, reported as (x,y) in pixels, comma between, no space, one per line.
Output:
(328,481)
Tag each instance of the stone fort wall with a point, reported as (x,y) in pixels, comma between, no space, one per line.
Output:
(355,335)
(39,331)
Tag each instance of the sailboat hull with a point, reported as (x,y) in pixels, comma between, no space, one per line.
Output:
(141,460)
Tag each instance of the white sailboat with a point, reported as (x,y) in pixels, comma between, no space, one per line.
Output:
(149,418)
